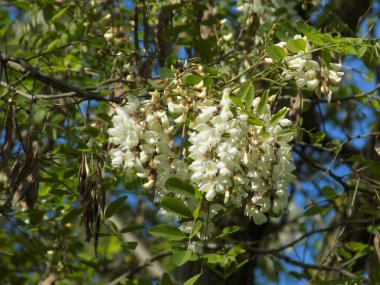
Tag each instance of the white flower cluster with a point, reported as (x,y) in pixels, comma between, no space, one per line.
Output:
(213,146)
(144,142)
(307,72)
(247,165)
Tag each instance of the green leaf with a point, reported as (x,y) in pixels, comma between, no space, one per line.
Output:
(208,81)
(192,79)
(278,116)
(176,207)
(24,5)
(210,70)
(48,12)
(129,245)
(275,52)
(104,117)
(237,101)
(91,131)
(4,30)
(254,120)
(165,280)
(179,186)
(313,210)
(70,216)
(369,211)
(166,73)
(296,45)
(114,206)
(357,246)
(52,45)
(362,51)
(250,97)
(59,14)
(317,137)
(261,107)
(228,230)
(243,91)
(326,57)
(59,192)
(131,229)
(70,173)
(329,192)
(196,211)
(196,227)
(193,279)
(167,232)
(181,256)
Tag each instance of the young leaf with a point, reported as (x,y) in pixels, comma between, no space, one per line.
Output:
(326,57)
(237,101)
(243,91)
(193,279)
(112,208)
(228,230)
(263,102)
(275,52)
(179,186)
(278,116)
(167,232)
(196,211)
(255,121)
(296,45)
(196,227)
(250,97)
(176,207)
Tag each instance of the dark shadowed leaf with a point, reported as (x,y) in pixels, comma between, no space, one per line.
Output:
(314,210)
(114,206)
(129,245)
(71,216)
(176,206)
(179,186)
(131,229)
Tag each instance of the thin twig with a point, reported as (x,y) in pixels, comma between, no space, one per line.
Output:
(133,271)
(23,67)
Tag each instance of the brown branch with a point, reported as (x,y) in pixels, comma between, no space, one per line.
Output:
(324,169)
(20,65)
(50,279)
(341,99)
(133,271)
(306,266)
(300,264)
(65,46)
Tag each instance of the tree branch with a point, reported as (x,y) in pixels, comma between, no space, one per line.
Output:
(20,65)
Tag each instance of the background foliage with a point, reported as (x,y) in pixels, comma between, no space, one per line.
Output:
(66,64)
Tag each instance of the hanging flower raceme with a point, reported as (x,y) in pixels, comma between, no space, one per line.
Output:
(234,153)
(299,65)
